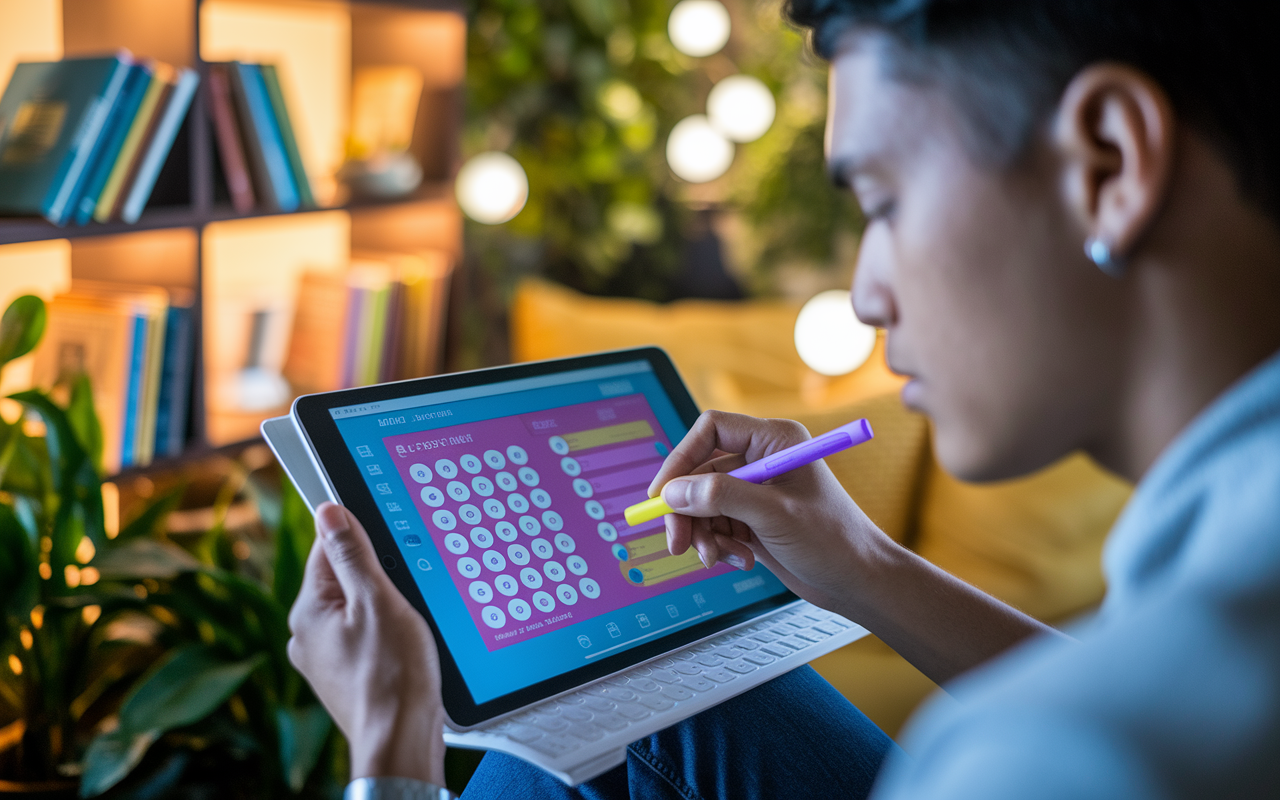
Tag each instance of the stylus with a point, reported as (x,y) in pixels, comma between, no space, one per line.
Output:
(842,438)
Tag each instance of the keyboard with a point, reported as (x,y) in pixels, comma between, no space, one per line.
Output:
(582,734)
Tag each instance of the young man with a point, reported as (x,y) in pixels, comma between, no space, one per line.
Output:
(1073,242)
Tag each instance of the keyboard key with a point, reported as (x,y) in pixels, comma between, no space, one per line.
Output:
(810,636)
(795,642)
(677,692)
(765,637)
(551,724)
(776,650)
(632,711)
(619,680)
(575,713)
(698,683)
(625,695)
(655,702)
(644,686)
(587,733)
(741,666)
(721,675)
(611,723)
(640,672)
(523,733)
(760,659)
(685,668)
(710,660)
(665,676)
(827,628)
(600,704)
(746,644)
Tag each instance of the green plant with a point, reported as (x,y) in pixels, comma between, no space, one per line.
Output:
(584,93)
(131,655)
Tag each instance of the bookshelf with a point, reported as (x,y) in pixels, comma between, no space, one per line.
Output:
(189,237)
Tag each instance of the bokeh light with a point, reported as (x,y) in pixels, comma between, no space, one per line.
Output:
(829,338)
(741,107)
(696,151)
(698,27)
(492,188)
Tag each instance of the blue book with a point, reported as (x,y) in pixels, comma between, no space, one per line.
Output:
(52,120)
(117,128)
(158,150)
(175,383)
(133,400)
(263,141)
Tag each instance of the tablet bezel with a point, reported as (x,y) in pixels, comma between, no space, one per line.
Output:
(313,415)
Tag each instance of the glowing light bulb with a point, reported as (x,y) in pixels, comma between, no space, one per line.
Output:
(492,188)
(698,27)
(741,107)
(697,152)
(829,338)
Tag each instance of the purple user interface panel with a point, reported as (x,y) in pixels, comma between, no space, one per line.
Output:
(527,511)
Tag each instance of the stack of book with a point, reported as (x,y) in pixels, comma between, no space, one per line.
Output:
(380,320)
(256,144)
(85,138)
(135,345)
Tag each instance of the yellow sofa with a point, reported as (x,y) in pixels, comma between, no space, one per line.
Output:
(1033,542)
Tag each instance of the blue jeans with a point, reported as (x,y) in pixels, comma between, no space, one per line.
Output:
(794,736)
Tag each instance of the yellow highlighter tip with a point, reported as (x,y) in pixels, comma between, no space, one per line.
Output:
(641,513)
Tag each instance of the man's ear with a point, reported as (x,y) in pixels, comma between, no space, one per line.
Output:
(1115,131)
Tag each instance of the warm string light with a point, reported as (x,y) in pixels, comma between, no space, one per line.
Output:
(699,27)
(697,152)
(741,107)
(492,188)
(829,338)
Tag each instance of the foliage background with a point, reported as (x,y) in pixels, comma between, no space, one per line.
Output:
(583,93)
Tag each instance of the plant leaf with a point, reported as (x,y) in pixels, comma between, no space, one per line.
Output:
(21,327)
(186,686)
(144,558)
(84,420)
(151,520)
(302,736)
(18,581)
(110,758)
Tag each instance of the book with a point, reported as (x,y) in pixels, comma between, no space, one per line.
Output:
(263,143)
(271,80)
(91,336)
(133,142)
(158,150)
(173,404)
(52,117)
(117,128)
(384,107)
(144,144)
(230,147)
(316,356)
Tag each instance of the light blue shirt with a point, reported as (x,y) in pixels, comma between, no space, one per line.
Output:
(1173,689)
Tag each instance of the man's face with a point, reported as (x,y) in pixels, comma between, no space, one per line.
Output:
(977,274)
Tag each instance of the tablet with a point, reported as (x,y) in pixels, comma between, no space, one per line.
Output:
(495,499)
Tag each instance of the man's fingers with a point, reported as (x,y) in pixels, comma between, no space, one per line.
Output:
(727,433)
(717,494)
(346,546)
(319,589)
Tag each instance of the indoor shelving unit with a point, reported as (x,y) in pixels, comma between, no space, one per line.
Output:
(189,236)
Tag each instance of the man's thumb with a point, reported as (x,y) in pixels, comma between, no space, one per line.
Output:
(349,551)
(715,494)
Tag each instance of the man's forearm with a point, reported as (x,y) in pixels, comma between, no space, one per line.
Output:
(937,622)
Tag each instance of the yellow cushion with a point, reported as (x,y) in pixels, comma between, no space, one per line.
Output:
(1035,542)
(734,356)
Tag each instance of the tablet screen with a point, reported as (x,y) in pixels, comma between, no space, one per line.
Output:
(506,502)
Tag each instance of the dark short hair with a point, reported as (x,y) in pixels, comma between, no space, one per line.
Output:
(1006,63)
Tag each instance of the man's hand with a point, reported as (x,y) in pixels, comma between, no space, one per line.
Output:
(368,655)
(802,525)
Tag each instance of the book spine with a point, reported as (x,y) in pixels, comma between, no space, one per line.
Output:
(148,137)
(393,333)
(377,334)
(175,383)
(88,141)
(166,132)
(117,128)
(271,79)
(350,343)
(223,112)
(133,396)
(124,160)
(151,387)
(275,162)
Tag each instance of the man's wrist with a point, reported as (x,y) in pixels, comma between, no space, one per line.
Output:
(395,789)
(412,747)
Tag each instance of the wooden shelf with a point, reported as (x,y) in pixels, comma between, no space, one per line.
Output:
(190,194)
(14,230)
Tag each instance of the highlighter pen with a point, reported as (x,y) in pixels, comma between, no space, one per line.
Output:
(829,443)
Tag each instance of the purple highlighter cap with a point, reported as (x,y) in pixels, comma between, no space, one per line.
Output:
(842,438)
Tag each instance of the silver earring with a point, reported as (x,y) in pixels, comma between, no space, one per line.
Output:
(1099,252)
